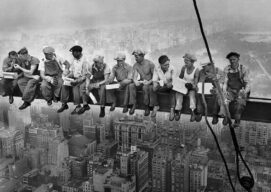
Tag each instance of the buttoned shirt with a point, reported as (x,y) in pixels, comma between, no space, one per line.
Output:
(79,67)
(244,74)
(121,72)
(159,74)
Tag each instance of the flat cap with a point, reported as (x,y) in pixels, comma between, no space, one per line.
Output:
(205,64)
(98,58)
(76,48)
(120,57)
(138,52)
(233,54)
(48,49)
(23,51)
(190,57)
(163,58)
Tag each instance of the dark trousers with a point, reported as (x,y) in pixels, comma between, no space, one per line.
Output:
(76,90)
(28,87)
(146,93)
(9,85)
(49,91)
(214,101)
(129,94)
(155,88)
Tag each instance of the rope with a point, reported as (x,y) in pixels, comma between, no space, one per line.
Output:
(246,181)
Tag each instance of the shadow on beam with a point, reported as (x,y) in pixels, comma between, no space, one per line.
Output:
(258,110)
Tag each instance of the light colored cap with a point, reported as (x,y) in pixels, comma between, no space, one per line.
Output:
(120,57)
(98,58)
(48,49)
(138,52)
(190,57)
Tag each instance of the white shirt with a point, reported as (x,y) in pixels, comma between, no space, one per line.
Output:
(189,77)
(79,67)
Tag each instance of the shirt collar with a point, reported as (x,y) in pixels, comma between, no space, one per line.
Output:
(97,69)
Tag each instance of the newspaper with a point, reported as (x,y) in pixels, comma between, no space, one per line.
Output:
(207,88)
(67,81)
(10,75)
(112,86)
(93,99)
(179,85)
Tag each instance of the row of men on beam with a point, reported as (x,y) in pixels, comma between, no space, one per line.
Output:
(90,77)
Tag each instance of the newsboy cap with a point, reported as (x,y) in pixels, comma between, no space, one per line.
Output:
(233,54)
(138,52)
(48,49)
(120,57)
(76,48)
(190,57)
(23,51)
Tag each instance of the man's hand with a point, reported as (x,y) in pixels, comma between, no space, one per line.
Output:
(16,66)
(145,82)
(169,85)
(74,83)
(137,83)
(189,86)
(66,72)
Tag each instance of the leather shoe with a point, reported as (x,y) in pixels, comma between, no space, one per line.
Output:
(113,106)
(154,111)
(76,109)
(11,99)
(63,107)
(83,109)
(102,112)
(215,120)
(132,110)
(171,114)
(193,116)
(24,105)
(147,111)
(198,117)
(177,115)
(49,103)
(125,109)
(225,121)
(236,123)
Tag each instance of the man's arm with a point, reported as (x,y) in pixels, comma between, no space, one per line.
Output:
(112,75)
(246,79)
(6,67)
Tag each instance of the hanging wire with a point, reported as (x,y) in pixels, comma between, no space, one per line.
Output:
(246,182)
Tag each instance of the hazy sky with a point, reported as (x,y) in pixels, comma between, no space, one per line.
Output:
(24,15)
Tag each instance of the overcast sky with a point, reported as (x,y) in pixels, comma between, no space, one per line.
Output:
(24,15)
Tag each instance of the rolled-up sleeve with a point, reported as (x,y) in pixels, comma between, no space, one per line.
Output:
(5,65)
(155,76)
(247,79)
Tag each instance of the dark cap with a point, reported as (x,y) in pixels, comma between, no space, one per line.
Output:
(13,53)
(233,54)
(162,59)
(76,48)
(23,51)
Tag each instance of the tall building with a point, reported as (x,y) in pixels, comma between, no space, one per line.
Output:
(78,167)
(161,168)
(57,151)
(130,132)
(116,183)
(100,176)
(198,176)
(64,171)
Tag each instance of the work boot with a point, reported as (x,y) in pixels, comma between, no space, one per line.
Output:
(24,105)
(132,110)
(113,106)
(125,109)
(193,116)
(147,111)
(83,109)
(154,111)
(236,123)
(76,109)
(177,115)
(63,107)
(171,114)
(10,99)
(102,112)
(55,99)
(225,121)
(215,120)
(198,117)
(49,103)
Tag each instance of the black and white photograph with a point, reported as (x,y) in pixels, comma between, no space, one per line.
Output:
(135,96)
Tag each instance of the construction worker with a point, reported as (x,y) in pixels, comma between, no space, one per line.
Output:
(162,82)
(123,73)
(236,86)
(9,85)
(143,72)
(209,74)
(51,69)
(190,74)
(100,72)
(78,72)
(30,78)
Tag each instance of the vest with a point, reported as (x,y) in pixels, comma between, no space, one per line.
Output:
(52,68)
(235,80)
(98,75)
